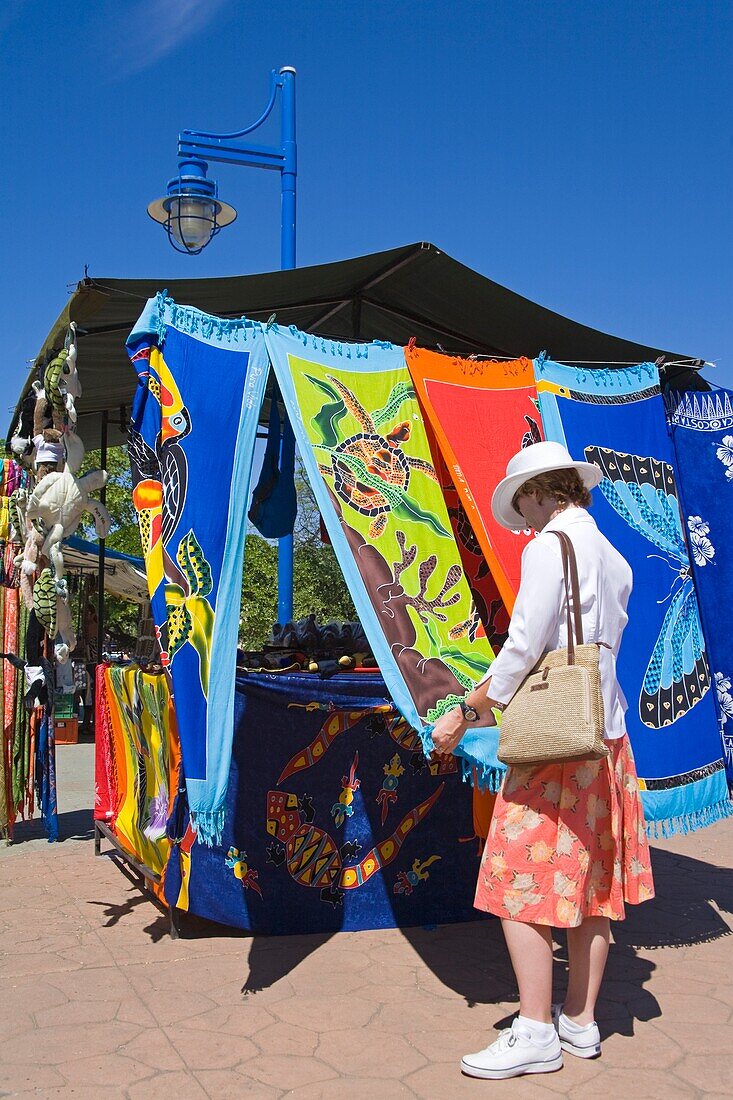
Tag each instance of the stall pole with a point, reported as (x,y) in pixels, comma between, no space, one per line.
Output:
(192,188)
(287,262)
(100,570)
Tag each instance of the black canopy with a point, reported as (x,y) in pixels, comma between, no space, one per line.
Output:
(415,291)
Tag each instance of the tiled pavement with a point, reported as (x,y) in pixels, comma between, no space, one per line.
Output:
(97,1001)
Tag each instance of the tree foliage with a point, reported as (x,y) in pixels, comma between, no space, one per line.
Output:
(318,584)
(120,615)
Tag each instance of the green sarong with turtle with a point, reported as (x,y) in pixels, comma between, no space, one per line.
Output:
(365,446)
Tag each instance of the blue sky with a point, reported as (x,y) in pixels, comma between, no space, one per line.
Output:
(579,153)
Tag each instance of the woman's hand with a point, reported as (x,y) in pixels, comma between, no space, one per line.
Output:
(448,731)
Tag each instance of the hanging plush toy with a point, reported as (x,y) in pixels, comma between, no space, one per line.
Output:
(23,532)
(21,439)
(48,422)
(56,505)
(70,383)
(39,680)
(51,607)
(16,514)
(61,387)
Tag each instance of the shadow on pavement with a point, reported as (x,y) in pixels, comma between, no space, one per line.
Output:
(73,825)
(471,959)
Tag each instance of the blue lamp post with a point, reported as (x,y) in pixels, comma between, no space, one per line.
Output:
(191,213)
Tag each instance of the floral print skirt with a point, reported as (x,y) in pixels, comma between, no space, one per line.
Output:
(567,841)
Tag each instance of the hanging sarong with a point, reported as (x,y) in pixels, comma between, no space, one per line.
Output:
(144,745)
(394,849)
(491,618)
(201,381)
(45,772)
(7,680)
(361,436)
(106,783)
(482,413)
(702,434)
(274,501)
(615,418)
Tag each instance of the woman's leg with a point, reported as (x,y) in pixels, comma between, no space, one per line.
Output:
(530,949)
(587,954)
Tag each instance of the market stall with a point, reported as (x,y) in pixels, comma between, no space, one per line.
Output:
(431,580)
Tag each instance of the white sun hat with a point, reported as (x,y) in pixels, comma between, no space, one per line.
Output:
(539,458)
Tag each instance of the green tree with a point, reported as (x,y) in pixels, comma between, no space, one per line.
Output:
(120,615)
(318,583)
(125,533)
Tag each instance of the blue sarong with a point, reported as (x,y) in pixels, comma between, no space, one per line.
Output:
(45,769)
(702,434)
(616,419)
(201,380)
(372,836)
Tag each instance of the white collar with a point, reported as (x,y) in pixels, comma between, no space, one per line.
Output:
(570,515)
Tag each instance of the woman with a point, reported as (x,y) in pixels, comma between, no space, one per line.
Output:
(567,845)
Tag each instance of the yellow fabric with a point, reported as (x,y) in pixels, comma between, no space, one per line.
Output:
(146,755)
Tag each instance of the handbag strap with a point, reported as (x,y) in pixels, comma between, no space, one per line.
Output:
(572,588)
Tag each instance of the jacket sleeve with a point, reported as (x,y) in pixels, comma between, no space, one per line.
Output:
(534,621)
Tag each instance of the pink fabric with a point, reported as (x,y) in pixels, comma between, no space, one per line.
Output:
(105,782)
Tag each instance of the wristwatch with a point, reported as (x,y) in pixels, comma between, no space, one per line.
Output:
(469,713)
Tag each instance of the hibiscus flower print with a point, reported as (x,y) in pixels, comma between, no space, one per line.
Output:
(568,800)
(598,875)
(498,864)
(585,774)
(596,808)
(698,524)
(703,550)
(724,452)
(513,830)
(531,819)
(725,699)
(539,852)
(515,903)
(567,913)
(523,881)
(552,791)
(563,885)
(565,841)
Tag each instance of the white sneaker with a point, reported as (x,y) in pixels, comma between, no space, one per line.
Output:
(514,1053)
(582,1042)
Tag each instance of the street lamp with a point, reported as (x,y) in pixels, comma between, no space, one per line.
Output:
(192,214)
(191,211)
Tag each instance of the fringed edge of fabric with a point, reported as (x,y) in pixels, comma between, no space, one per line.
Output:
(690,822)
(195,322)
(208,826)
(483,776)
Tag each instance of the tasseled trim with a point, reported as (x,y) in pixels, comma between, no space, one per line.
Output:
(690,822)
(209,827)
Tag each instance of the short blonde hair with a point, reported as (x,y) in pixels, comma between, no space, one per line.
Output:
(564,486)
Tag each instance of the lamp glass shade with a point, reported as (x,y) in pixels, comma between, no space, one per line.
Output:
(192,221)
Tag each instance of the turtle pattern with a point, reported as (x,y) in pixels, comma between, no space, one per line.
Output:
(370,470)
(44,601)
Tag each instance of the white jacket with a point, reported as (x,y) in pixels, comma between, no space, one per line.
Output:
(538,623)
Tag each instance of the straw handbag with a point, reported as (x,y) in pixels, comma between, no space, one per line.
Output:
(557,712)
